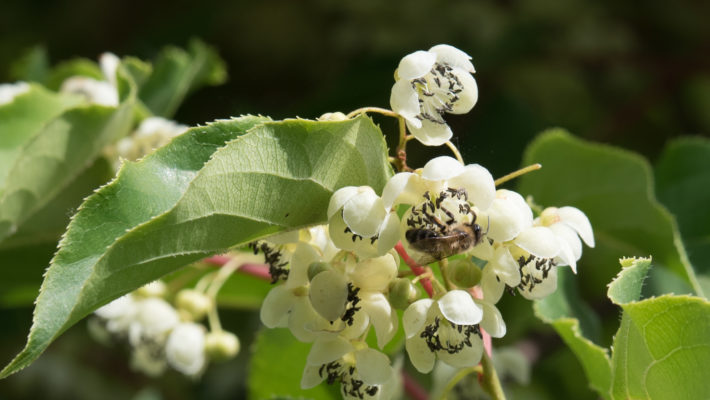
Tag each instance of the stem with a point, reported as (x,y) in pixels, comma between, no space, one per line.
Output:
(258,270)
(458,377)
(517,173)
(490,382)
(220,278)
(401,150)
(414,390)
(378,110)
(443,266)
(455,151)
(416,268)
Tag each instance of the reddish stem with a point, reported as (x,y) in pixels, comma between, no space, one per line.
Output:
(416,268)
(414,390)
(258,270)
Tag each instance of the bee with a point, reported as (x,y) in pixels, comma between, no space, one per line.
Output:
(446,241)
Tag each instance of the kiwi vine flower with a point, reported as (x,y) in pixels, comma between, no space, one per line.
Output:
(8,91)
(569,224)
(429,84)
(103,92)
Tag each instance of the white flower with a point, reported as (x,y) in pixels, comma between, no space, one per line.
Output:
(185,348)
(568,224)
(363,373)
(288,305)
(153,320)
(429,84)
(361,222)
(148,359)
(118,314)
(99,92)
(351,296)
(446,328)
(8,91)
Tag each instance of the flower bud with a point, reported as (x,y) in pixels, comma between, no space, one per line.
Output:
(464,273)
(185,348)
(195,303)
(153,289)
(402,293)
(333,116)
(221,345)
(316,268)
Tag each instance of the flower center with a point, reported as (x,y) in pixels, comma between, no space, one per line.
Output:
(351,306)
(533,271)
(350,382)
(273,257)
(438,92)
(446,336)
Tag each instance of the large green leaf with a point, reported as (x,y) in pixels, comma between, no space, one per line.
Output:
(683,177)
(614,188)
(175,207)
(662,348)
(276,368)
(177,72)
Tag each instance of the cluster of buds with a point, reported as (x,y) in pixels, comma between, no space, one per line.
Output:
(336,288)
(161,334)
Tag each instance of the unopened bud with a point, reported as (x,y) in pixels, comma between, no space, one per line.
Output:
(195,303)
(153,289)
(316,268)
(221,346)
(464,273)
(333,116)
(402,293)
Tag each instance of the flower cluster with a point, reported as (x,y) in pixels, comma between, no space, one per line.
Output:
(162,335)
(486,240)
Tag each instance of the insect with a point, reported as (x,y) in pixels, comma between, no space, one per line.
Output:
(444,242)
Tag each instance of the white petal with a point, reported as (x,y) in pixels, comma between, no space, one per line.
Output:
(442,168)
(509,214)
(458,307)
(415,65)
(301,259)
(329,294)
(482,250)
(304,322)
(364,213)
(566,234)
(124,305)
(405,102)
(339,198)
(419,354)
(8,91)
(404,187)
(373,366)
(109,64)
(539,241)
(380,312)
(543,289)
(325,351)
(566,256)
(452,56)
(311,377)
(467,357)
(479,184)
(375,274)
(491,285)
(363,247)
(492,321)
(389,234)
(505,267)
(579,222)
(185,348)
(275,308)
(414,316)
(430,133)
(468,96)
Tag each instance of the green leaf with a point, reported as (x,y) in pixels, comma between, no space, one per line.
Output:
(276,368)
(55,156)
(175,207)
(663,345)
(563,310)
(682,176)
(177,72)
(614,188)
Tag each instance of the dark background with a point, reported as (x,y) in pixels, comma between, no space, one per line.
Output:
(631,73)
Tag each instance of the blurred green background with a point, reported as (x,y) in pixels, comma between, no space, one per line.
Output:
(633,74)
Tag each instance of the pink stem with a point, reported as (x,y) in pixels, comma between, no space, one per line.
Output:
(416,268)
(258,270)
(414,390)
